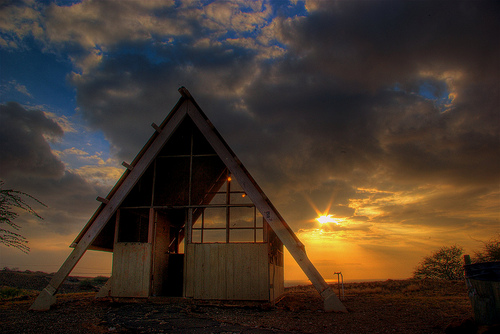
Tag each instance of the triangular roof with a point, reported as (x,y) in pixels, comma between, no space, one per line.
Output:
(95,235)
(185,111)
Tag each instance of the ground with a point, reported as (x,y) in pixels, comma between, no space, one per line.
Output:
(393,306)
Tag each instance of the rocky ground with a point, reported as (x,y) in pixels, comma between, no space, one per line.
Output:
(394,306)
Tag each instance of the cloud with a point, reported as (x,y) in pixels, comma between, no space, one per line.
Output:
(342,104)
(103,176)
(13,85)
(18,20)
(63,121)
(24,149)
(29,165)
(21,88)
(89,29)
(386,42)
(130,90)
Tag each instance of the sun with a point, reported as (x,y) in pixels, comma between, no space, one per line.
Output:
(325,219)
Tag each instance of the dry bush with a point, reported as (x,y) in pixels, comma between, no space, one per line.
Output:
(366,290)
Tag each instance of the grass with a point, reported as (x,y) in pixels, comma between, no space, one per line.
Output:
(92,283)
(10,293)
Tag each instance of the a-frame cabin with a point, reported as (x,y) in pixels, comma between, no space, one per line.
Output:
(186,219)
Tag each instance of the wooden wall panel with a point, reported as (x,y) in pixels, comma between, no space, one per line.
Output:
(277,278)
(131,270)
(227,271)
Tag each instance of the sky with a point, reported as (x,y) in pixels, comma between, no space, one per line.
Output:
(383,114)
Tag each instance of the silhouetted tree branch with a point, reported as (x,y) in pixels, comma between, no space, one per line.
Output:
(10,199)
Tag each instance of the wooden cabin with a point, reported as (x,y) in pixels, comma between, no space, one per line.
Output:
(186,219)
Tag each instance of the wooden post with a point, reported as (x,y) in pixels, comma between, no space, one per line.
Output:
(128,166)
(483,285)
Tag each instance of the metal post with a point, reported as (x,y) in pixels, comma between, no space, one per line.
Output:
(339,276)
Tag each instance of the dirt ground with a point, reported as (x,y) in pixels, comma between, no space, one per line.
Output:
(393,306)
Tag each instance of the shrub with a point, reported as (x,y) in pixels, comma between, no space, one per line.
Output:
(100,280)
(445,263)
(86,284)
(490,252)
(7,292)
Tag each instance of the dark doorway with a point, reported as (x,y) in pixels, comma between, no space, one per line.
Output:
(168,260)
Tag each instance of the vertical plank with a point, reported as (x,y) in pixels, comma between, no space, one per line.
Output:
(230,275)
(222,276)
(205,264)
(251,255)
(263,277)
(276,278)
(271,276)
(117,226)
(280,281)
(244,272)
(189,270)
(212,272)
(197,269)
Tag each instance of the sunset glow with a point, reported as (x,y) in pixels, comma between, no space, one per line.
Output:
(329,219)
(326,219)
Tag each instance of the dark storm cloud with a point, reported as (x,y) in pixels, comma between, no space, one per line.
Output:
(348,92)
(69,198)
(29,165)
(386,42)
(24,148)
(128,92)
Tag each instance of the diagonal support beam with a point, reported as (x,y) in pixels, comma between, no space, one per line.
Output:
(273,218)
(47,297)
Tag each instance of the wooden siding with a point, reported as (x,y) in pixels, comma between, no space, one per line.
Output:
(277,278)
(227,271)
(131,270)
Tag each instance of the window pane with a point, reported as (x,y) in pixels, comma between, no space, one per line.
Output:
(259,236)
(219,199)
(214,217)
(241,235)
(241,217)
(134,226)
(172,174)
(196,236)
(240,198)
(235,186)
(259,220)
(214,236)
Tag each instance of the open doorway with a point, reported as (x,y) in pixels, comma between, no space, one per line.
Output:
(168,253)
